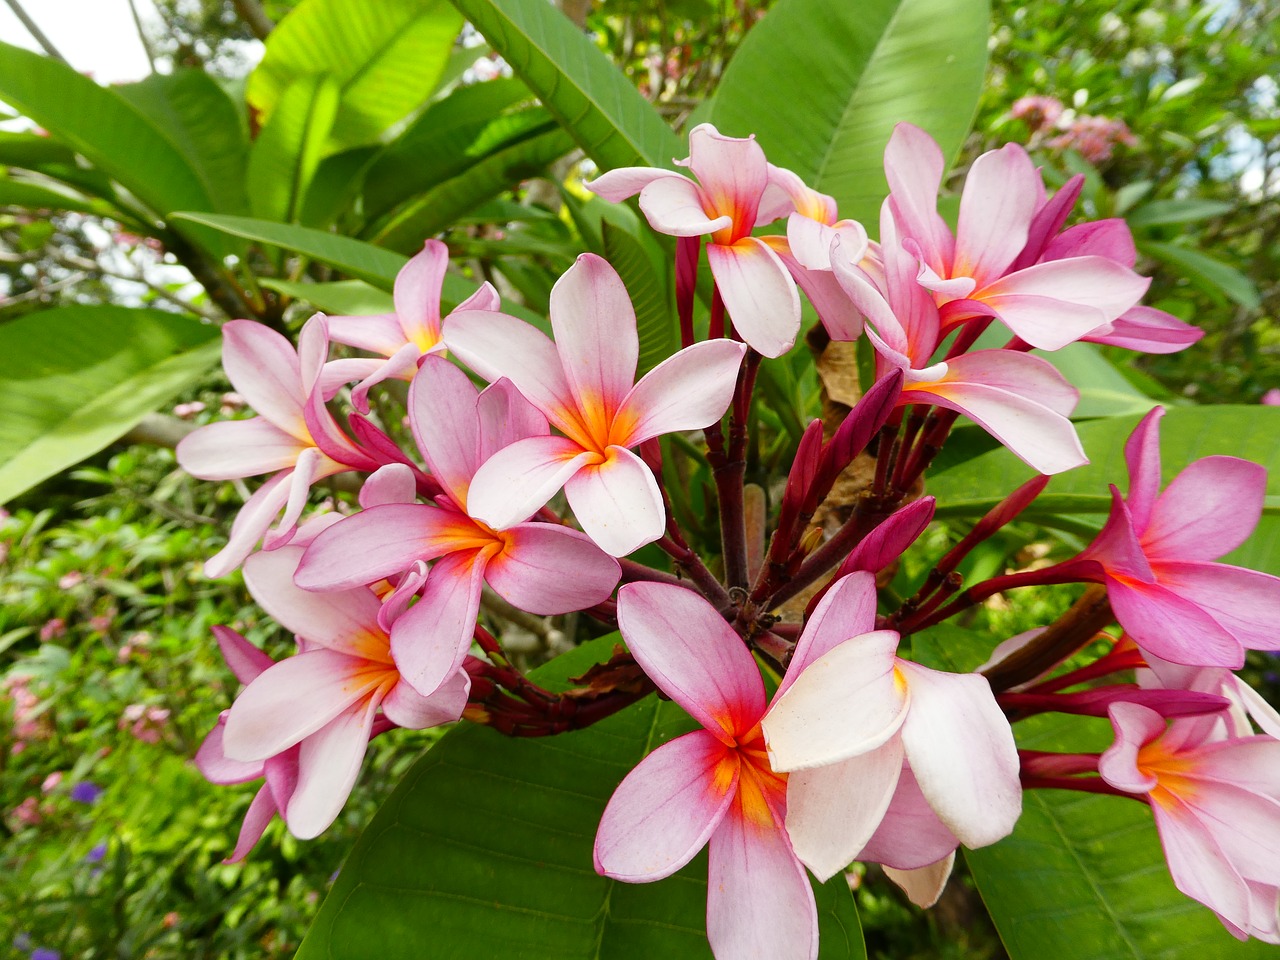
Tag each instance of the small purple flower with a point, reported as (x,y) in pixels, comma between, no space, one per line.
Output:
(86,792)
(44,953)
(96,854)
(22,942)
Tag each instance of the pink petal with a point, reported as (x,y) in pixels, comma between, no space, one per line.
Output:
(251,523)
(844,703)
(913,165)
(1147,330)
(238,448)
(417,294)
(512,484)
(261,809)
(1245,602)
(393,483)
(999,200)
(625,182)
(595,333)
(688,391)
(924,885)
(810,241)
(548,569)
(1020,373)
(1142,456)
(665,810)
(429,642)
(910,836)
(244,659)
(839,316)
(759,902)
(1171,627)
(847,609)
(382,541)
(495,345)
(693,656)
(405,707)
(868,299)
(312,465)
(961,750)
(293,700)
(617,502)
(1208,510)
(1198,866)
(328,764)
(732,171)
(263,367)
(401,365)
(674,205)
(759,294)
(443,416)
(343,620)
(505,416)
(378,333)
(1052,304)
(1109,239)
(1135,726)
(214,764)
(832,811)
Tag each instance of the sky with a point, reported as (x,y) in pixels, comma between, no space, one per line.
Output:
(97,37)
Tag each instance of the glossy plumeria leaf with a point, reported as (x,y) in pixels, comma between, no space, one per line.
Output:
(594,101)
(485,849)
(73,379)
(858,69)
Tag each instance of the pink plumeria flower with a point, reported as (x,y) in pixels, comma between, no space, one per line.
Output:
(727,201)
(1216,803)
(1247,706)
(1019,399)
(414,330)
(287,389)
(584,383)
(714,785)
(970,273)
(860,731)
(1155,557)
(544,568)
(323,702)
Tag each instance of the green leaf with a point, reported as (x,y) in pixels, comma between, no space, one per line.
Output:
(287,152)
(1083,878)
(73,379)
(484,850)
(649,286)
(99,123)
(386,56)
(822,84)
(1186,433)
(22,193)
(1161,212)
(32,151)
(1210,274)
(435,146)
(361,260)
(593,100)
(353,298)
(484,179)
(198,118)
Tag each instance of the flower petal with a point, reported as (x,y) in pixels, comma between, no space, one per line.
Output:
(263,367)
(530,572)
(1245,602)
(231,449)
(405,707)
(393,483)
(665,810)
(261,809)
(1171,626)
(961,750)
(848,609)
(214,764)
(999,200)
(625,182)
(693,656)
(913,164)
(378,333)
(844,703)
(1142,456)
(759,901)
(505,416)
(430,640)
(1208,510)
(688,391)
(759,294)
(516,481)
(833,810)
(443,414)
(910,836)
(244,659)
(595,333)
(328,764)
(417,294)
(924,885)
(250,524)
(673,205)
(1147,330)
(617,502)
(732,172)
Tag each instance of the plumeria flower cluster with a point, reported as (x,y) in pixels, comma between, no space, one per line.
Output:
(536,472)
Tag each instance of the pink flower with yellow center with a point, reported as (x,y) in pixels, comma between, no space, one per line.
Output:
(713,786)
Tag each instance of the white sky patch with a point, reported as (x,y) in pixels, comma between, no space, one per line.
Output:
(98,37)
